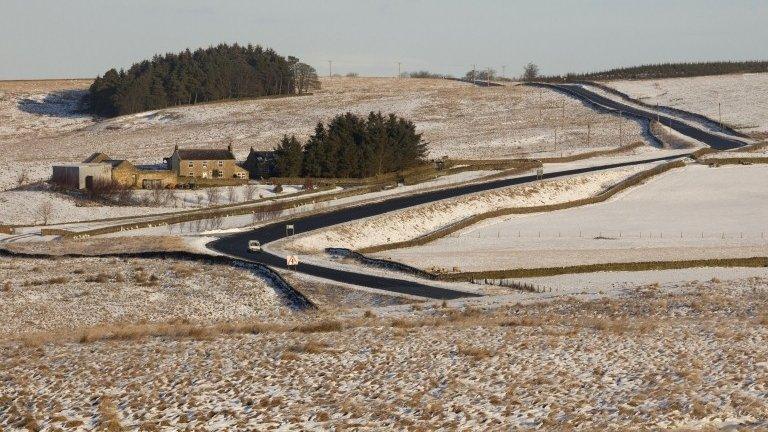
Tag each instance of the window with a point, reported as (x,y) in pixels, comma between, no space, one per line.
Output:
(191,164)
(221,164)
(205,164)
(191,174)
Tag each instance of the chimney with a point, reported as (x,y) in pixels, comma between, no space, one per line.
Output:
(229,147)
(176,147)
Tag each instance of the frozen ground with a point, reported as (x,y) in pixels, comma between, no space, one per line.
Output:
(688,213)
(414,222)
(743,98)
(63,294)
(669,356)
(25,207)
(457,119)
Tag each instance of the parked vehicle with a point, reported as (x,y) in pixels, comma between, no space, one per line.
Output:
(254,246)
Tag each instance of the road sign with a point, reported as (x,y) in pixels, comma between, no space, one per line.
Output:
(292,260)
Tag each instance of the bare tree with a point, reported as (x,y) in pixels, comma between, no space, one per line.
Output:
(125,196)
(44,211)
(231,194)
(102,190)
(530,72)
(213,194)
(157,195)
(249,191)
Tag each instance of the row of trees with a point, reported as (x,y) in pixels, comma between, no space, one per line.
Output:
(214,73)
(530,73)
(353,146)
(669,70)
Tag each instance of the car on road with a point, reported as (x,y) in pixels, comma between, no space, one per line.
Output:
(254,246)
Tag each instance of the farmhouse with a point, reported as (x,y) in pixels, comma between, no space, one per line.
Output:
(203,167)
(206,164)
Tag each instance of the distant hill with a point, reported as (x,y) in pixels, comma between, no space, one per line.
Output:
(667,70)
(214,73)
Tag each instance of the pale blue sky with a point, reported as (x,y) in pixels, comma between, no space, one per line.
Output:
(83,38)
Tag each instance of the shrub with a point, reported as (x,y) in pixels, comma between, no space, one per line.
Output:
(321,326)
(7,286)
(98,278)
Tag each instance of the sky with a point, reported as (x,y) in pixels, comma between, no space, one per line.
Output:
(84,38)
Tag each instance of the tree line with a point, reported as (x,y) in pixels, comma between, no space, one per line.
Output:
(352,146)
(667,70)
(214,73)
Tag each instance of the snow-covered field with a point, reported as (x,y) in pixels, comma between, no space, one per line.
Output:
(63,294)
(414,222)
(674,356)
(689,213)
(26,207)
(743,98)
(457,119)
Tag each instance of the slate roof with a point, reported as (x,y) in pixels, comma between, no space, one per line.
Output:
(205,154)
(97,157)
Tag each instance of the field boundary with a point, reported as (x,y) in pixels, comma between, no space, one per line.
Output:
(713,162)
(471,220)
(593,268)
(380,263)
(293,295)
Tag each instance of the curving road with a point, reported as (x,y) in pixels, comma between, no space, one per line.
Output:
(236,244)
(716,141)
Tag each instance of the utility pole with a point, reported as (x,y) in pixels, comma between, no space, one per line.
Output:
(398,69)
(488,77)
(720,114)
(330,68)
(504,71)
(474,73)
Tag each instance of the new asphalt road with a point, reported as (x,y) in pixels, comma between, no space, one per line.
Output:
(716,141)
(237,244)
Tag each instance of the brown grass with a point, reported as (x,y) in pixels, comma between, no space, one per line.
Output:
(321,326)
(99,246)
(98,278)
(477,353)
(310,347)
(58,280)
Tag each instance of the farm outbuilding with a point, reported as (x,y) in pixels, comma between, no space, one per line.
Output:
(81,175)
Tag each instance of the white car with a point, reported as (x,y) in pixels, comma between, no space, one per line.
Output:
(254,246)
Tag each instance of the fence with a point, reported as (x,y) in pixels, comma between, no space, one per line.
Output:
(613,234)
(442,232)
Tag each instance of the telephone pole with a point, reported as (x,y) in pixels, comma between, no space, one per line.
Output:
(720,114)
(474,73)
(398,69)
(330,68)
(504,71)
